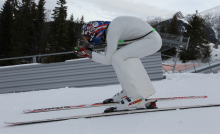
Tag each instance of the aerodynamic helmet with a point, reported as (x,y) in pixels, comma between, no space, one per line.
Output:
(93,31)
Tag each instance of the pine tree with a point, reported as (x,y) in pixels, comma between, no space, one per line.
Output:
(72,40)
(58,33)
(41,29)
(82,20)
(196,30)
(172,29)
(23,29)
(6,22)
(206,51)
(71,32)
(162,29)
(33,44)
(41,11)
(78,26)
(17,32)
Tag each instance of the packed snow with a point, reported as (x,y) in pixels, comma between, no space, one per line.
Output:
(196,121)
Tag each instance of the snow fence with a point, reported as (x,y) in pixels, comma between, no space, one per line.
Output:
(76,73)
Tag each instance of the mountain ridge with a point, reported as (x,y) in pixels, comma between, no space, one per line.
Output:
(211,16)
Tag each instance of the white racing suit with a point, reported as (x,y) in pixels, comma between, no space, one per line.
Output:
(126,61)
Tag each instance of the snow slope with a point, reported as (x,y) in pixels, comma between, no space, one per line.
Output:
(215,52)
(213,11)
(196,121)
(166,17)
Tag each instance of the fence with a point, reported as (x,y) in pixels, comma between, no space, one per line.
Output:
(34,57)
(76,73)
(199,66)
(206,67)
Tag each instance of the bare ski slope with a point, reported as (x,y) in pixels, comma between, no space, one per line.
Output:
(192,121)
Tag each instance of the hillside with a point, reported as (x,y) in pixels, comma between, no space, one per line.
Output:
(212,17)
(215,11)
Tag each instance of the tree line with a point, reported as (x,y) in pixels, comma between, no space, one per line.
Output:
(198,47)
(27,29)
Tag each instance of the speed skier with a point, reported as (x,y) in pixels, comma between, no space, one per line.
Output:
(142,40)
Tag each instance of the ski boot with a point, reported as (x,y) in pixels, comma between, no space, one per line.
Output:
(127,103)
(116,98)
(151,105)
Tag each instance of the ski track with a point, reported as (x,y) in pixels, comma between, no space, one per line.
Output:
(191,121)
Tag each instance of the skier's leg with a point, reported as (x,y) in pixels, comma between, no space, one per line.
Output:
(129,68)
(119,79)
(118,96)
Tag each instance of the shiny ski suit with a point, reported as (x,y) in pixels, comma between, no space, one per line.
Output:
(126,61)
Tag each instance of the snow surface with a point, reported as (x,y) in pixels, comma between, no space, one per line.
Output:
(162,17)
(191,121)
(214,11)
(212,16)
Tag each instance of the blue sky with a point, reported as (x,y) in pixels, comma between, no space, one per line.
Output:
(109,9)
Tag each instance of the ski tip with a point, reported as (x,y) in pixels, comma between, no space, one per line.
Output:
(9,123)
(26,111)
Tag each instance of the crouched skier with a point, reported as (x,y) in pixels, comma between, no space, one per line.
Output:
(143,41)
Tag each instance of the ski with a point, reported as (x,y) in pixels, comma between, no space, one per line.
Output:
(113,114)
(108,104)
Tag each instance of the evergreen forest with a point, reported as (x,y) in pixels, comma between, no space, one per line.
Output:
(28,28)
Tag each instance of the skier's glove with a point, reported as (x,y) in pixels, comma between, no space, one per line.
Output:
(89,52)
(84,52)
